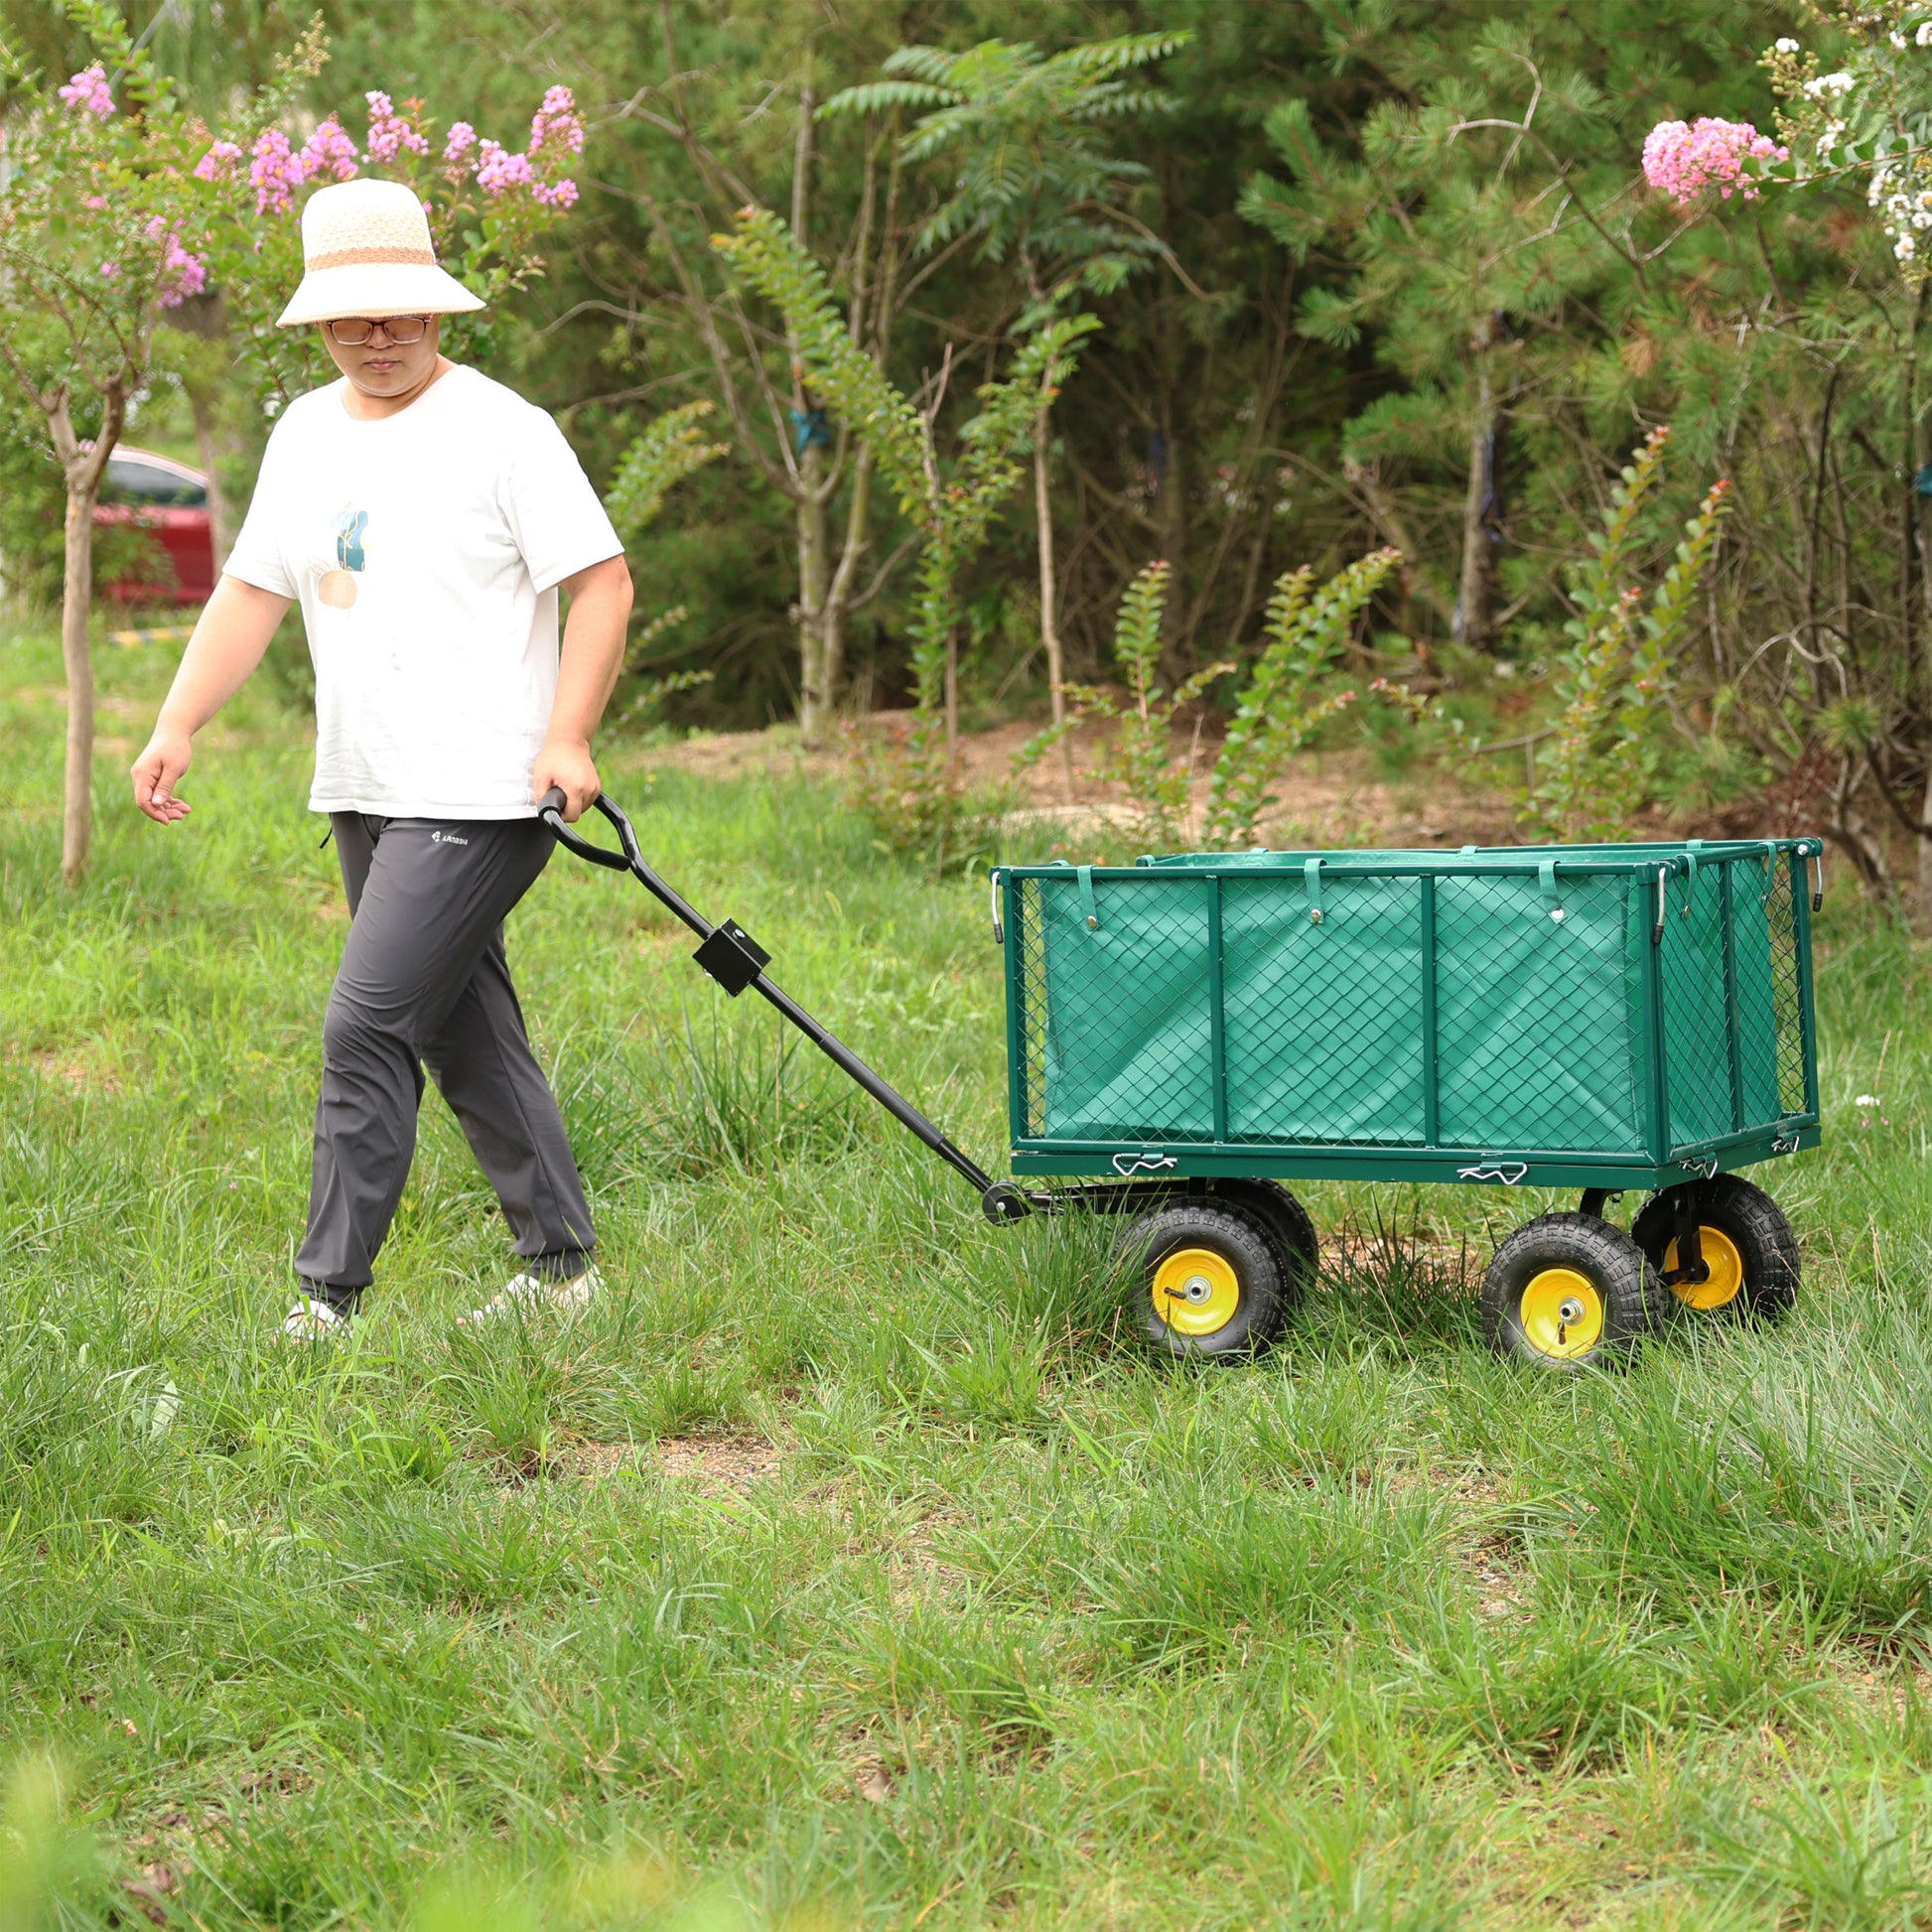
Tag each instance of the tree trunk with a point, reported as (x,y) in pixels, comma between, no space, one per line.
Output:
(84,467)
(77,606)
(1049,623)
(815,695)
(838,598)
(1474,623)
(814,570)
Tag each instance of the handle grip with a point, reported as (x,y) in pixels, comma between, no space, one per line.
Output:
(550,808)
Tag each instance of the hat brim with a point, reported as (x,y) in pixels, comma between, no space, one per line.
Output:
(376,290)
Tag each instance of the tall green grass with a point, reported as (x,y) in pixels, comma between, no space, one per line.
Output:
(1016,1626)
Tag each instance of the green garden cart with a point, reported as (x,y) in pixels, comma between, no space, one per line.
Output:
(1186,1034)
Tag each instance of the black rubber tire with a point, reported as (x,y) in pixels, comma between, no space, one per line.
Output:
(1298,1249)
(1631,1295)
(1755,1222)
(1242,1240)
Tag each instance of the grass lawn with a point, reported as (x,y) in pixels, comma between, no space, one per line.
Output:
(848,1564)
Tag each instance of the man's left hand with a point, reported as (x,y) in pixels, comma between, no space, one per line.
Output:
(568,765)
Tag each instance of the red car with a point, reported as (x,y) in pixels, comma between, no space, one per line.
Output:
(171,500)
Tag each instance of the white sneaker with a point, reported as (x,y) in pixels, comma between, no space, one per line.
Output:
(534,1294)
(313,1321)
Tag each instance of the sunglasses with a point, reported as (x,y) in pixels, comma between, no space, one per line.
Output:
(352,332)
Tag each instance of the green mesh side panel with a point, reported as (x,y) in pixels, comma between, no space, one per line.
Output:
(1787,993)
(1539,1018)
(1696,1032)
(1323,1020)
(1127,1048)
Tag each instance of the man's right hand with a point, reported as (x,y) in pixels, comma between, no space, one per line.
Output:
(229,638)
(158,771)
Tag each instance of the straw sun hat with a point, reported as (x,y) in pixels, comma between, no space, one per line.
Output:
(365,251)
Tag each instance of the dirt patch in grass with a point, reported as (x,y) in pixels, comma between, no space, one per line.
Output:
(1325,798)
(78,1070)
(918,1573)
(708,1462)
(1485,1550)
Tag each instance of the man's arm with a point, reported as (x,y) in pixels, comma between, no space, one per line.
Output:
(592,656)
(233,630)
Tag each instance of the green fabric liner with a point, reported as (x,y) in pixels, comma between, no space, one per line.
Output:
(1540,1025)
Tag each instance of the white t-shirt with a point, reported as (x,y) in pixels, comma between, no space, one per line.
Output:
(426,549)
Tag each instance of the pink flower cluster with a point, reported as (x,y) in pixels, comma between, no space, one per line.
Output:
(181,274)
(330,152)
(218,163)
(1685,157)
(87,92)
(390,131)
(555,134)
(277,170)
(498,172)
(458,147)
(555,123)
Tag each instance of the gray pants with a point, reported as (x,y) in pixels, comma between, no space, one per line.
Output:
(424,982)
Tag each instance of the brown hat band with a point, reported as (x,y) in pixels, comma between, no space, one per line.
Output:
(372,258)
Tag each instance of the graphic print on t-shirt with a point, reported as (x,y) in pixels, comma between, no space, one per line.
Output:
(338,587)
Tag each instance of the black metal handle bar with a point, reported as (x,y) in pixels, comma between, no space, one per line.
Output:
(736,960)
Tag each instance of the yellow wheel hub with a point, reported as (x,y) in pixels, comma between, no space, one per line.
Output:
(1725,1281)
(1563,1313)
(1197,1291)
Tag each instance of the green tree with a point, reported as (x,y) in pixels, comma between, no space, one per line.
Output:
(1034,187)
(951,506)
(95,222)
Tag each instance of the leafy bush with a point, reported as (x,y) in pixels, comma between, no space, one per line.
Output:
(1278,708)
(1610,742)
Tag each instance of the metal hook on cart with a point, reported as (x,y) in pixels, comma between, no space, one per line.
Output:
(1131,1163)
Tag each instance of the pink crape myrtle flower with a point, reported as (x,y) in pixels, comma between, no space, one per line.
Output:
(1685,157)
(181,274)
(218,163)
(499,173)
(555,194)
(390,131)
(330,152)
(275,172)
(88,94)
(555,124)
(458,147)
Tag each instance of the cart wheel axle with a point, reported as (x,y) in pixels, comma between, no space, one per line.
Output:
(1002,1204)
(1722,1248)
(1569,1292)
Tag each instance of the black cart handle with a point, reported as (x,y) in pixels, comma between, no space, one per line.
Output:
(550,808)
(737,961)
